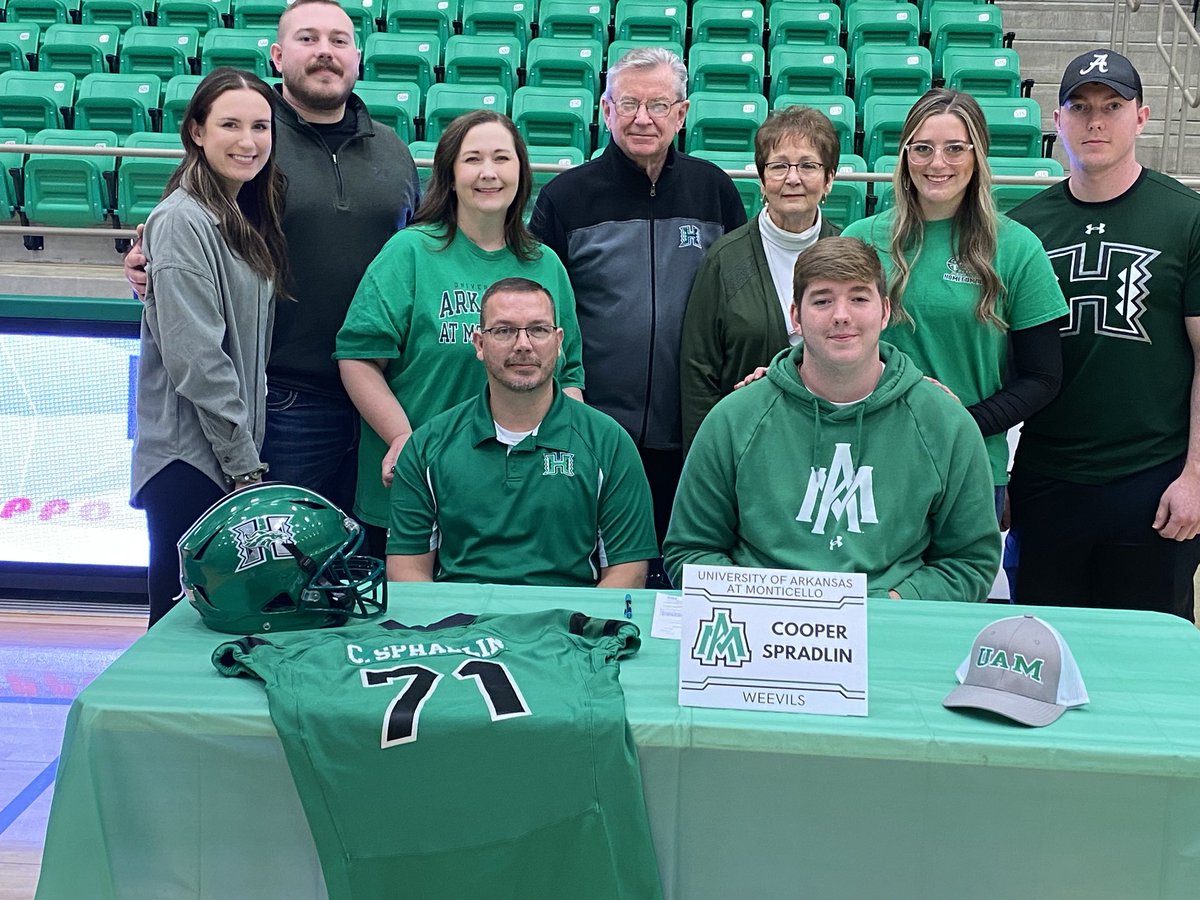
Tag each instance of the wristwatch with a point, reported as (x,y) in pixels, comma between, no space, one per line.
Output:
(254,476)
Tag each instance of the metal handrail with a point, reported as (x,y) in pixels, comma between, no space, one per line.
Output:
(1186,81)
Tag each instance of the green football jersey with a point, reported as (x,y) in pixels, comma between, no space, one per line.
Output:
(1130,271)
(481,756)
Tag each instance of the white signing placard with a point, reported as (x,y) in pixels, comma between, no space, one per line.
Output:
(774,639)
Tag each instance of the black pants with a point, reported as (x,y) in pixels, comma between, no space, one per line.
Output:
(1093,545)
(173,500)
(662,471)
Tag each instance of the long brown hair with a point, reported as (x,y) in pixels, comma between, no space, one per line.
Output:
(439,206)
(975,225)
(251,224)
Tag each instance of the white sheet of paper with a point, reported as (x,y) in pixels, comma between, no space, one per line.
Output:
(668,609)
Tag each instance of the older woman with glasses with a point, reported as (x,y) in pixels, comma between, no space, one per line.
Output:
(738,316)
(965,281)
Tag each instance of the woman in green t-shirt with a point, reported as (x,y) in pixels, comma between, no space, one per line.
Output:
(965,281)
(405,350)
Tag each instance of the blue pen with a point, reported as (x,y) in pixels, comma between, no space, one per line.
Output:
(628,606)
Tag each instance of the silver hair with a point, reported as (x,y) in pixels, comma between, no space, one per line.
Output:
(650,58)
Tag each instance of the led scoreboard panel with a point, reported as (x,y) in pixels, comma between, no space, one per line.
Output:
(67,373)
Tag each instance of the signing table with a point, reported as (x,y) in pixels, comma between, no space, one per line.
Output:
(173,783)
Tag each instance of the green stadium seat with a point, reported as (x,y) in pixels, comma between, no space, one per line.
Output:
(749,189)
(19,45)
(927,5)
(446,102)
(242,48)
(726,67)
(257,13)
(804,23)
(199,14)
(78,49)
(564,62)
(958,24)
(983,71)
(165,51)
(35,100)
(120,103)
(839,110)
(555,117)
(363,14)
(396,104)
(10,161)
(807,69)
(883,119)
(176,94)
(499,19)
(618,48)
(554,156)
(67,190)
(648,21)
(1015,126)
(119,14)
(42,12)
(885,196)
(422,150)
(428,18)
(1009,195)
(734,21)
(402,57)
(575,20)
(880,69)
(141,180)
(880,22)
(847,200)
(483,59)
(718,121)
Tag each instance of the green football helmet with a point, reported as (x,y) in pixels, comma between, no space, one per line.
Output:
(276,557)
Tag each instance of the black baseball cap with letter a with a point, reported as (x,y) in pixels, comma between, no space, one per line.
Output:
(1103,66)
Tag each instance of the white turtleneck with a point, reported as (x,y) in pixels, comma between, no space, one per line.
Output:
(782,248)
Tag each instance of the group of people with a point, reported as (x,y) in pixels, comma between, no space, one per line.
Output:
(297,283)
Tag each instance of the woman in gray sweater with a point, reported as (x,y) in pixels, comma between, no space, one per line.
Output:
(215,253)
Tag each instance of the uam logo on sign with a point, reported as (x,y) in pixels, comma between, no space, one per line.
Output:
(774,639)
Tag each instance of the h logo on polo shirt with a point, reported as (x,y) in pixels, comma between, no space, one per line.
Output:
(555,462)
(256,537)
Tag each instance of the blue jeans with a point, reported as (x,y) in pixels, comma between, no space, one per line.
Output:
(312,441)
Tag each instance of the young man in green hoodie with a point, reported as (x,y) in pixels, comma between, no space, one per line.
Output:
(892,479)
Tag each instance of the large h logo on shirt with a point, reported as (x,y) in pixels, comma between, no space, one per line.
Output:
(262,535)
(1114,291)
(839,490)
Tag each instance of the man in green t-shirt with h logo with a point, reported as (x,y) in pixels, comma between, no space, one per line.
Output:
(1105,489)
(520,485)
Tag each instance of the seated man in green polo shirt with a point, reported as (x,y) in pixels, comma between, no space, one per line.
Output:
(520,485)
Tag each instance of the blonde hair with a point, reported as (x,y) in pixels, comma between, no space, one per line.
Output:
(975,224)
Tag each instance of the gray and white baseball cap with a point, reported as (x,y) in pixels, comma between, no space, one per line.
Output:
(1019,667)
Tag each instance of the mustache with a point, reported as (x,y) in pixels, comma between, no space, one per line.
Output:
(323,63)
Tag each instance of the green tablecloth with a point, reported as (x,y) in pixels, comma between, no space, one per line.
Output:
(173,783)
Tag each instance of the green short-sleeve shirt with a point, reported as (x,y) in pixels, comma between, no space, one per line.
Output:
(946,339)
(554,510)
(417,307)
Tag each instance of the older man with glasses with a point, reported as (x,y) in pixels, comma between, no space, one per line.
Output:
(632,227)
(520,485)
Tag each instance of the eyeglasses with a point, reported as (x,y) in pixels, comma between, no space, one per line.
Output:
(777,171)
(507,334)
(954,152)
(657,109)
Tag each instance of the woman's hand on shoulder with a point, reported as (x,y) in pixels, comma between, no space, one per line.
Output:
(752,377)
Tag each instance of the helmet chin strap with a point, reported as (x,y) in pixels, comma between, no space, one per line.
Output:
(307,563)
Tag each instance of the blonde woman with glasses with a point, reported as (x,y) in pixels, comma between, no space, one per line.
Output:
(966,283)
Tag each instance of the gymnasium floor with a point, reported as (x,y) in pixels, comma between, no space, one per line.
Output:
(45,660)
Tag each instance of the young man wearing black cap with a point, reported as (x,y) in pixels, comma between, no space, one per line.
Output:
(1106,486)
